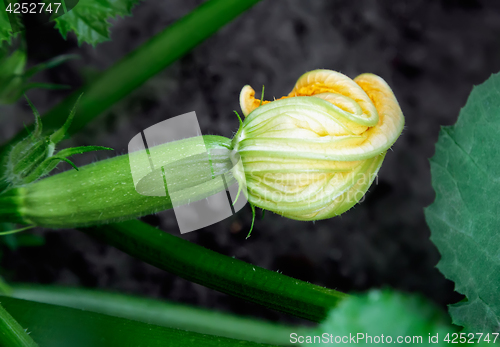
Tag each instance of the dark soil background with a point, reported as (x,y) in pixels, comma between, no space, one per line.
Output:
(431,53)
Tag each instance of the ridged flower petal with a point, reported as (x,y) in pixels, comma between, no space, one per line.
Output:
(314,153)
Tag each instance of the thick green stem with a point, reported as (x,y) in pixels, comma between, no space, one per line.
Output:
(219,272)
(54,325)
(143,63)
(12,333)
(161,313)
(104,191)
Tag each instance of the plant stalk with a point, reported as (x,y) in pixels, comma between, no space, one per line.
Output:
(12,333)
(217,271)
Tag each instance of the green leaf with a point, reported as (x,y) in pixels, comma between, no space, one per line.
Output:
(89,19)
(163,313)
(384,316)
(12,333)
(5,27)
(59,134)
(52,325)
(464,217)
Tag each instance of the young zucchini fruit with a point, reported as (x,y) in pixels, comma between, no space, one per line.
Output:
(310,155)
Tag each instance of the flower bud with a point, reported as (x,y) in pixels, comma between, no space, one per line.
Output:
(35,156)
(313,154)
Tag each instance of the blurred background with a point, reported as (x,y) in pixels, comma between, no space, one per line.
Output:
(430,52)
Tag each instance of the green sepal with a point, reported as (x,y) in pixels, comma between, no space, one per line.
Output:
(14,231)
(104,191)
(35,157)
(90,19)
(384,316)
(59,134)
(239,118)
(25,157)
(253,220)
(46,167)
(38,119)
(67,152)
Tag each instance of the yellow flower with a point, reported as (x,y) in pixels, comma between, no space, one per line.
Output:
(313,154)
